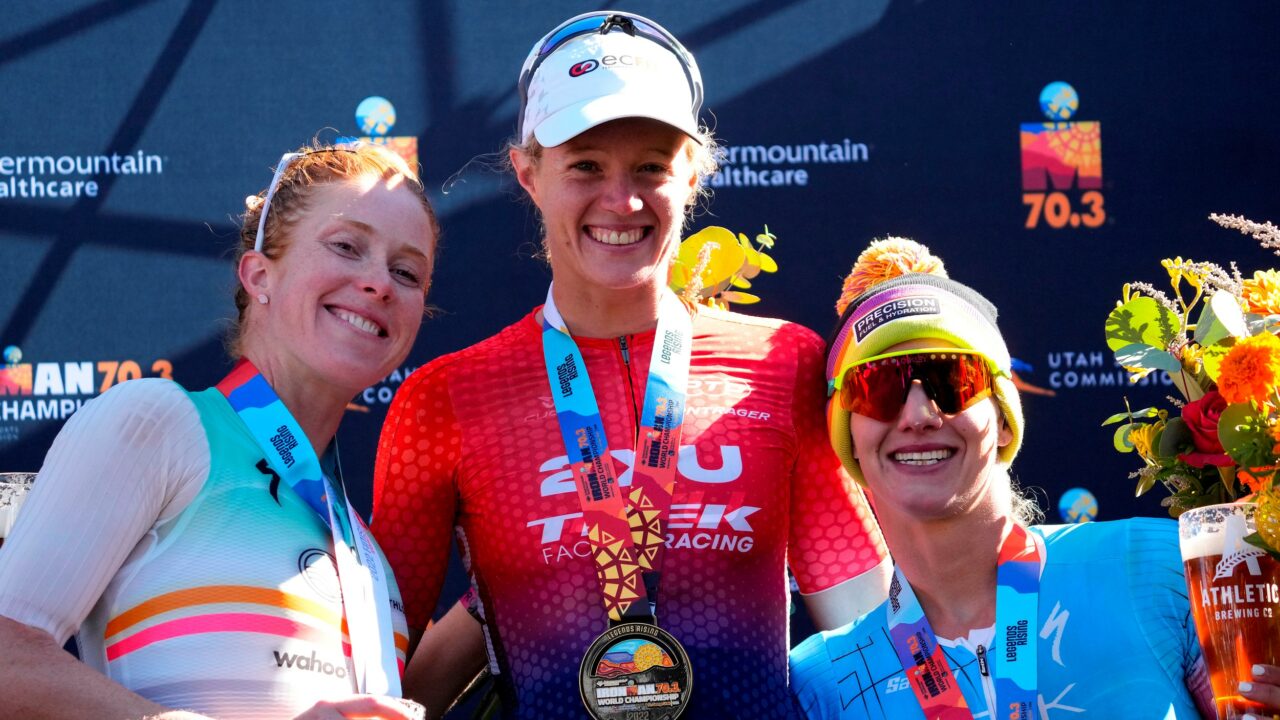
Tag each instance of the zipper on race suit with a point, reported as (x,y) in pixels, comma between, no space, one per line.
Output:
(625,351)
(988,682)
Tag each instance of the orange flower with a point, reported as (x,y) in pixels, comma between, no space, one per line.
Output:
(1262,293)
(884,260)
(1253,481)
(1251,370)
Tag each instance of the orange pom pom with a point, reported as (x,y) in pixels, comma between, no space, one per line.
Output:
(884,260)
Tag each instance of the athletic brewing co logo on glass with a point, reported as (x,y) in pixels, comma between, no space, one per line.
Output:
(376,116)
(1237,552)
(1062,164)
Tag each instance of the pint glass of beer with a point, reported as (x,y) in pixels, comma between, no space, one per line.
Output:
(13,490)
(1235,599)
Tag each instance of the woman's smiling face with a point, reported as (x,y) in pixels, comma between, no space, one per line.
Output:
(924,463)
(612,201)
(346,297)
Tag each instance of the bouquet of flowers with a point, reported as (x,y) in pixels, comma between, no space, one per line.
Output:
(1215,336)
(713,267)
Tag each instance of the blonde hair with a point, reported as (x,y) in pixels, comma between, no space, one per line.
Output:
(317,165)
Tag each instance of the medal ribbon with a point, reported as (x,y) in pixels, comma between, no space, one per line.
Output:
(365,597)
(626,533)
(1014,654)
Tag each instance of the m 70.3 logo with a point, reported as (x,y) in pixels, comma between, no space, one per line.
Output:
(1062,164)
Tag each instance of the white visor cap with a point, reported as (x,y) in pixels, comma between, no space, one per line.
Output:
(595,78)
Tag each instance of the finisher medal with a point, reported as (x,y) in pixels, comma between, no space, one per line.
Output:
(635,671)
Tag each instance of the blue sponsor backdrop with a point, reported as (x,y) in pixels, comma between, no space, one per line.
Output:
(133,129)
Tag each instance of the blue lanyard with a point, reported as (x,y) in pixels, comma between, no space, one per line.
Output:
(626,532)
(1014,653)
(365,594)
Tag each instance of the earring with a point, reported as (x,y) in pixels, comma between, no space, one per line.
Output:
(262,299)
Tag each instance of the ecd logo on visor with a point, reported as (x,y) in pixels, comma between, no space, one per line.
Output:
(609,61)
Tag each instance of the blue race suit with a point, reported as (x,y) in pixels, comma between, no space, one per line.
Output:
(1115,638)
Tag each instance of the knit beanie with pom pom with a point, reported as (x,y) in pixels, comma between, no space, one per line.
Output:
(898,291)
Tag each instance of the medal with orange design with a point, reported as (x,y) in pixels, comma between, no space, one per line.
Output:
(635,669)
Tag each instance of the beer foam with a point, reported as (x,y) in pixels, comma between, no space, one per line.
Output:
(1202,545)
(8,515)
(11,497)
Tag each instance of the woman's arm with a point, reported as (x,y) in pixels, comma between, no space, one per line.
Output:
(449,656)
(44,681)
(842,604)
(835,548)
(133,457)
(122,462)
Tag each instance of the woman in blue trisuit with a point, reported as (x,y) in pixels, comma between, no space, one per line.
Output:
(987,616)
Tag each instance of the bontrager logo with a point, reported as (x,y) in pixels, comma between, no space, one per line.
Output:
(311,664)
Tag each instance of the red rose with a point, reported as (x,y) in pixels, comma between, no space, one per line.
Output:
(1201,418)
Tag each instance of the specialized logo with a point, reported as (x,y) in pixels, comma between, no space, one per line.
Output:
(52,391)
(1054,627)
(274,486)
(375,115)
(582,68)
(893,310)
(1062,164)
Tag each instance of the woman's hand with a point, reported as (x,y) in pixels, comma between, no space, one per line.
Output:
(377,707)
(1263,687)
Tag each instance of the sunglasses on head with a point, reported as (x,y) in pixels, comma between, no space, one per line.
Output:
(603,23)
(877,387)
(285,161)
